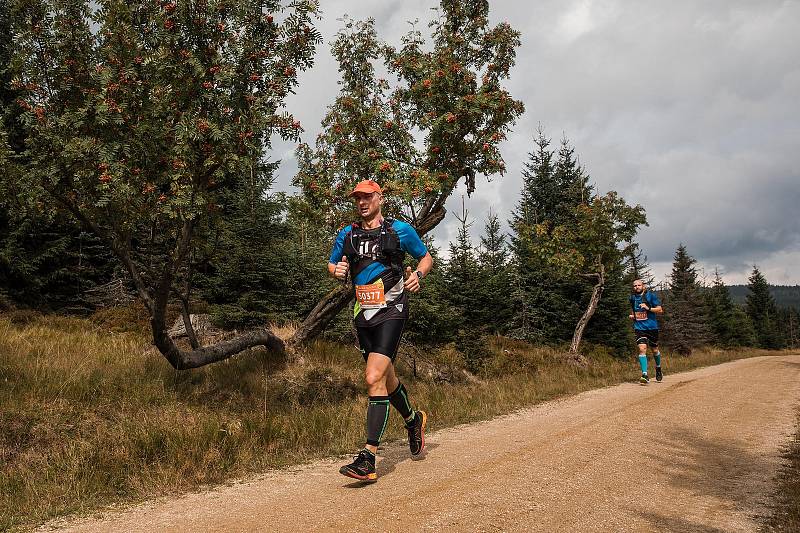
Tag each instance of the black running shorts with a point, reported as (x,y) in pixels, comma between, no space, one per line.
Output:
(383,338)
(647,336)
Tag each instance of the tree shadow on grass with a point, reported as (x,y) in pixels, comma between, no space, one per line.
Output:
(723,469)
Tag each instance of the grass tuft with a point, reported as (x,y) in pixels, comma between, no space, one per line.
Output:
(786,505)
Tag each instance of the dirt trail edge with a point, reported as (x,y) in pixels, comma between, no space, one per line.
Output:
(696,452)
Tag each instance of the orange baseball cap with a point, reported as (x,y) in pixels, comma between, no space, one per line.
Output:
(366,186)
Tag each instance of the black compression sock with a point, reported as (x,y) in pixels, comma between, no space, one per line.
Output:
(377,416)
(399,400)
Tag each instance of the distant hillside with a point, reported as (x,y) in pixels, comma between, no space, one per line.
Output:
(785,295)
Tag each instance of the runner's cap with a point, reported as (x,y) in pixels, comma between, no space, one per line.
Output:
(366,186)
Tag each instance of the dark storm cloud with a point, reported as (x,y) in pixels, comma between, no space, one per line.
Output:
(688,108)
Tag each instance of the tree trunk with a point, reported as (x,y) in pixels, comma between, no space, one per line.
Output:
(322,314)
(336,300)
(156,299)
(197,357)
(587,315)
(187,322)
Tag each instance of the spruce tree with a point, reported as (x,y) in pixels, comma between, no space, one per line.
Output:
(792,327)
(729,325)
(545,304)
(567,249)
(463,279)
(494,289)
(637,266)
(762,311)
(462,274)
(435,319)
(247,268)
(685,321)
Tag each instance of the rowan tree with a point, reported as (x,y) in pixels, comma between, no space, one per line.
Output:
(418,118)
(139,115)
(587,249)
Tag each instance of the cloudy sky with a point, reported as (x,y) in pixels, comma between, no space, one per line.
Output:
(691,109)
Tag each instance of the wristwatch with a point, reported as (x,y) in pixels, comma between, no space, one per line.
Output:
(418,273)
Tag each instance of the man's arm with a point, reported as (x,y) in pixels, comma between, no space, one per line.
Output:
(425,265)
(339,270)
(657,309)
(338,267)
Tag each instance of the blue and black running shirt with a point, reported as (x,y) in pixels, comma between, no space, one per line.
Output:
(648,320)
(397,304)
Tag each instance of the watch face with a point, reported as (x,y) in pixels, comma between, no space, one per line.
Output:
(419,274)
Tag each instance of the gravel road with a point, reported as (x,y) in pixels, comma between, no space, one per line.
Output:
(697,452)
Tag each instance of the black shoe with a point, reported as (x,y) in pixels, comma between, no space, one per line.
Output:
(644,380)
(416,432)
(362,467)
(659,375)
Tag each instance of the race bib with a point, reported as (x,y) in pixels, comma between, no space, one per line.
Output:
(371,296)
(640,315)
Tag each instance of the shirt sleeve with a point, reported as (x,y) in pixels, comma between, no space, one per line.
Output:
(409,240)
(654,300)
(338,246)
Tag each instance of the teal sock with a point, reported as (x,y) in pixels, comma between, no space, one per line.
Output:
(657,357)
(643,363)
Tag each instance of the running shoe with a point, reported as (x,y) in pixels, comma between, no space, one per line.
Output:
(362,467)
(644,380)
(659,375)
(416,432)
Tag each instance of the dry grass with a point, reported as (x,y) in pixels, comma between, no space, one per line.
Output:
(91,416)
(786,506)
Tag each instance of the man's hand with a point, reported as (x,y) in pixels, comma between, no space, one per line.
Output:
(631,316)
(644,306)
(412,281)
(342,267)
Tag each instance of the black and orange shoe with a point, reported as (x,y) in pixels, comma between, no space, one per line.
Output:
(362,468)
(416,432)
(659,375)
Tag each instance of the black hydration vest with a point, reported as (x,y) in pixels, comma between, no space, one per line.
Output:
(645,300)
(387,250)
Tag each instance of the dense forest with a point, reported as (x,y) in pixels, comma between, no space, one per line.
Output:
(784,295)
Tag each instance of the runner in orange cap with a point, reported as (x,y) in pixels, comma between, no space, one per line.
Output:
(372,252)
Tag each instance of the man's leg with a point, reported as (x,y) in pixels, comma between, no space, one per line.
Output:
(399,396)
(376,373)
(363,466)
(643,359)
(415,420)
(387,343)
(657,357)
